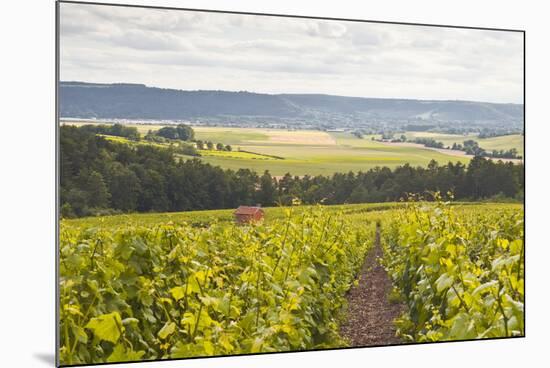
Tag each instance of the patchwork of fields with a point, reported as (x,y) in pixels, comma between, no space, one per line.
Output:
(309,152)
(314,152)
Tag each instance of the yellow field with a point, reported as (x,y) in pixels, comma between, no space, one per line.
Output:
(234,155)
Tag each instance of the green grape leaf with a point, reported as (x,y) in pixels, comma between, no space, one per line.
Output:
(177,292)
(120,354)
(107,327)
(166,330)
(444,282)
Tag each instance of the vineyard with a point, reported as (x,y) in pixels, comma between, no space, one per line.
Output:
(173,291)
(461,274)
(142,287)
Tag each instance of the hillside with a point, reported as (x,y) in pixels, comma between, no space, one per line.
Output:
(137,101)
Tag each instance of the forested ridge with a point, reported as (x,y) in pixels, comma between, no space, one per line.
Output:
(101,177)
(137,101)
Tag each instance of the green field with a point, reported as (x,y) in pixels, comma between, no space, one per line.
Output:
(314,152)
(505,142)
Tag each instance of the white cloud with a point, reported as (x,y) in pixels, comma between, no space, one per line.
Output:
(326,29)
(198,50)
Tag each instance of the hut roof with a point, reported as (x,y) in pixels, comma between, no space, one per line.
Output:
(246,210)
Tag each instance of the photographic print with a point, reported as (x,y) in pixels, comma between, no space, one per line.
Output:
(235,183)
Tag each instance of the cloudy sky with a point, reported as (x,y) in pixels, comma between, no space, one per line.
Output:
(211,51)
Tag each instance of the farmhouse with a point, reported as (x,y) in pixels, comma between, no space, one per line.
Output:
(246,214)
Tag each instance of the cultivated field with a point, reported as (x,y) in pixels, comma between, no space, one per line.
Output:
(505,142)
(313,152)
(159,286)
(354,212)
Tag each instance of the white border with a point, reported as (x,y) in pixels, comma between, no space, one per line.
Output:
(28,207)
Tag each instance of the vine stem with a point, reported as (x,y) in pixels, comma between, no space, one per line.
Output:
(462,302)
(335,240)
(502,309)
(283,244)
(94,251)
(197,321)
(68,344)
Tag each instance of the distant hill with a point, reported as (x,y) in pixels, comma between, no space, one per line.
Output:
(137,101)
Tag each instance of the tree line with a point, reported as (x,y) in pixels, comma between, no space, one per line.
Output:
(117,130)
(472,147)
(103,177)
(182,135)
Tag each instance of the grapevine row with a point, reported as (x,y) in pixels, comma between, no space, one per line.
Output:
(459,272)
(173,291)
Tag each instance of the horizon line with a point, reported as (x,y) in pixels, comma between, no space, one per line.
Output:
(285,93)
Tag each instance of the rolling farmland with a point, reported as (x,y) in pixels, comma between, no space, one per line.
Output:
(315,152)
(306,151)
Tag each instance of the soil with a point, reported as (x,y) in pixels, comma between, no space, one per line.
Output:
(370,315)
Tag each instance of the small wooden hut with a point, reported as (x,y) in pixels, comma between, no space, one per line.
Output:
(247,214)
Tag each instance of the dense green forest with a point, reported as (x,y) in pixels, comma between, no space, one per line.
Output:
(117,130)
(101,177)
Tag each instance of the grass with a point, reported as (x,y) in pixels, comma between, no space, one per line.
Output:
(503,143)
(355,212)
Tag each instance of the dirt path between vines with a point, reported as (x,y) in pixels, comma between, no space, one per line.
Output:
(370,315)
